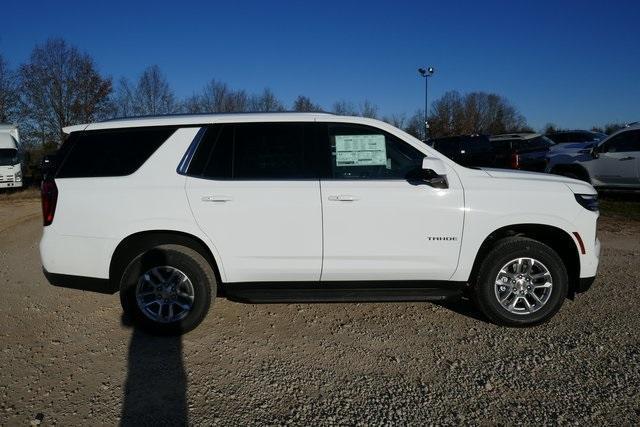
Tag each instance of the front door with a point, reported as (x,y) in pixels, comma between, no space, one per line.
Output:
(254,190)
(377,225)
(619,160)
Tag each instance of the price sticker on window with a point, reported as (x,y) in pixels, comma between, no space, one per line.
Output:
(360,150)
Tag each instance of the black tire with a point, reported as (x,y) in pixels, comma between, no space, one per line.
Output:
(189,262)
(502,253)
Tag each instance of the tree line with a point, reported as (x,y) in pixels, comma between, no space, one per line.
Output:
(59,86)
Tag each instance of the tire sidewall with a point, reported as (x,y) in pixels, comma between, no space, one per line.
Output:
(182,260)
(521,248)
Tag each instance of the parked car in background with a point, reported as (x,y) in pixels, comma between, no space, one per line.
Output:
(612,163)
(467,150)
(279,207)
(10,167)
(576,137)
(524,151)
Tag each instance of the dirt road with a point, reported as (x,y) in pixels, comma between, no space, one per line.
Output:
(67,358)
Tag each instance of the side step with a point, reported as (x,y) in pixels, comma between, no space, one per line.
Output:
(296,292)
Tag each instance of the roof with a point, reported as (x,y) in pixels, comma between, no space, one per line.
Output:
(522,135)
(200,119)
(571,131)
(9,137)
(7,140)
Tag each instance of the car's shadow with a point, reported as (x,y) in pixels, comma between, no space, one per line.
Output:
(156,386)
(465,307)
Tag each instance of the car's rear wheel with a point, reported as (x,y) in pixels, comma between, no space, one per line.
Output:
(168,289)
(521,282)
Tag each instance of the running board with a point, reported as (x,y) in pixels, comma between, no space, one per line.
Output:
(297,292)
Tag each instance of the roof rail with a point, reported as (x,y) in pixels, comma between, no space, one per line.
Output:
(160,116)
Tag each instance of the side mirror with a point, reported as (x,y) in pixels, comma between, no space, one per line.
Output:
(595,152)
(432,173)
(434,164)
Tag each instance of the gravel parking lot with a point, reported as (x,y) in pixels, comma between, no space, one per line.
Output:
(68,358)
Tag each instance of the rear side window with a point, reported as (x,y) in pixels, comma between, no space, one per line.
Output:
(558,138)
(450,147)
(112,152)
(476,145)
(257,151)
(540,143)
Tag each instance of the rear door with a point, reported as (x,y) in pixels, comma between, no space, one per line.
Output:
(378,225)
(254,190)
(618,162)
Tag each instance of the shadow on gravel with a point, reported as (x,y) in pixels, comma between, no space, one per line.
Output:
(464,307)
(156,387)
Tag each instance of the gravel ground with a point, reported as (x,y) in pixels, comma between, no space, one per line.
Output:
(68,358)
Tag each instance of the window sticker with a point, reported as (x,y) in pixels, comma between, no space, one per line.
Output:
(360,150)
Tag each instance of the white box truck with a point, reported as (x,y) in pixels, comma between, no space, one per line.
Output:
(10,167)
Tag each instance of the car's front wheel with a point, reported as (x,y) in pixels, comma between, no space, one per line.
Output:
(521,282)
(168,289)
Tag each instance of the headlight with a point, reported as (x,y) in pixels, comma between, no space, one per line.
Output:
(588,201)
(18,176)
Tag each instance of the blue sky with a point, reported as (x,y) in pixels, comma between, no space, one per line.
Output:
(574,63)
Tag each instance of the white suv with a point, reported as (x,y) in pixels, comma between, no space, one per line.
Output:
(284,207)
(612,163)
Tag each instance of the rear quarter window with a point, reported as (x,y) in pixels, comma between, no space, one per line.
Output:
(112,152)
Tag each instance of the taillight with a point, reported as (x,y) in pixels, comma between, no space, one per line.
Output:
(49,193)
(515,161)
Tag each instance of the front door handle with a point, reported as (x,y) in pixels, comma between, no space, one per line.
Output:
(343,198)
(627,158)
(217,198)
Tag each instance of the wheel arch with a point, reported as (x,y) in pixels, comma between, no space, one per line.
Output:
(554,237)
(137,243)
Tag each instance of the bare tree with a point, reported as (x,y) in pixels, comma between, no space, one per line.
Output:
(153,95)
(344,108)
(8,93)
(303,103)
(60,86)
(265,102)
(550,128)
(415,125)
(475,112)
(369,109)
(124,98)
(397,120)
(611,128)
(447,116)
(217,97)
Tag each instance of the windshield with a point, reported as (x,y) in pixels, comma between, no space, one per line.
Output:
(8,156)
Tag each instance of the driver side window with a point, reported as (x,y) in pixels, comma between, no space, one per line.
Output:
(364,152)
(624,142)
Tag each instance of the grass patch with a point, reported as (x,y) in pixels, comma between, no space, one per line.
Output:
(27,193)
(620,205)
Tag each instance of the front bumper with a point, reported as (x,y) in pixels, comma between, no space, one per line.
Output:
(10,184)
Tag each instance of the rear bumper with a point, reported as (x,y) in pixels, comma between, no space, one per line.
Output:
(92,284)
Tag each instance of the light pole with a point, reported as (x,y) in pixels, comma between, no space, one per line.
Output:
(426,73)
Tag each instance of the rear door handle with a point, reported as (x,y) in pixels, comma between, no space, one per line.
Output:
(217,198)
(343,198)
(627,158)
